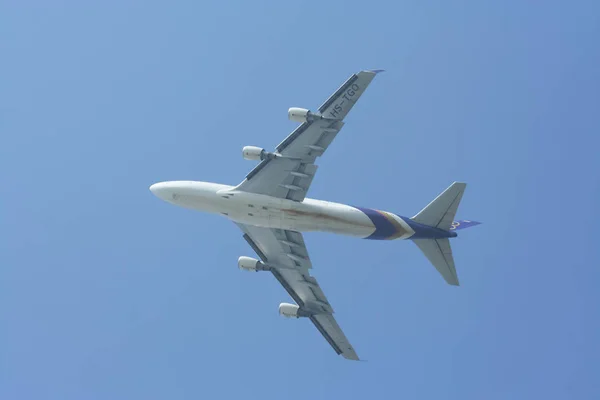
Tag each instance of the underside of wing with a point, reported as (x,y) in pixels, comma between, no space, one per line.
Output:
(289,173)
(284,254)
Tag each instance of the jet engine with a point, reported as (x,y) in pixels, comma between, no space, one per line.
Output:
(251,264)
(253,153)
(301,115)
(288,310)
(258,153)
(292,311)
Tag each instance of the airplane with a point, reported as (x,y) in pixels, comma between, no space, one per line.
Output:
(271,209)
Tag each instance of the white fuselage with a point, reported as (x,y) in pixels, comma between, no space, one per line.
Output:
(271,212)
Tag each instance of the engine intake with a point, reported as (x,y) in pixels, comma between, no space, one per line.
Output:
(252,264)
(292,311)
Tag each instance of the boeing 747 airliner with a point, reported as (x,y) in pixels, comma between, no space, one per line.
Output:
(271,208)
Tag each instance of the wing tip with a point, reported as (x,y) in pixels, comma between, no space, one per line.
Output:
(375,71)
(352,357)
(350,354)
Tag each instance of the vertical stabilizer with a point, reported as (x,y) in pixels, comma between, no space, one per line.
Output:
(441,211)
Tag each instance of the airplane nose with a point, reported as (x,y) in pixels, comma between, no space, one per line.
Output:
(160,190)
(154,188)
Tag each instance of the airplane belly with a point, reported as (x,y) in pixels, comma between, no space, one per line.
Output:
(316,215)
(309,215)
(253,209)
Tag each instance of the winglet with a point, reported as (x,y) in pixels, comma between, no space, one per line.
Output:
(375,71)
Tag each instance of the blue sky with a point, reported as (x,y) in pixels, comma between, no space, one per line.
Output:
(108,293)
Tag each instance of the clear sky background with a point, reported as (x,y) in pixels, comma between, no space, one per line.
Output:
(106,292)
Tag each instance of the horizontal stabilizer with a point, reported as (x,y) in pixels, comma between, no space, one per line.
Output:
(439,253)
(441,211)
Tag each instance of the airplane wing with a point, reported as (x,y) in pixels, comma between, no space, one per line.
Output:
(290,176)
(287,249)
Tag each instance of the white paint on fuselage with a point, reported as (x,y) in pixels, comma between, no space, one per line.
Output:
(269,212)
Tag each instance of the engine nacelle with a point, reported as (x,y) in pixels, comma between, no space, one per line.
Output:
(301,115)
(258,153)
(251,264)
(253,153)
(292,311)
(288,310)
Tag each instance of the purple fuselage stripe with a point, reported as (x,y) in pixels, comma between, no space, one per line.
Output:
(383,227)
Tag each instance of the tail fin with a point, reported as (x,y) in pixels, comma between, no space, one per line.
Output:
(440,214)
(441,211)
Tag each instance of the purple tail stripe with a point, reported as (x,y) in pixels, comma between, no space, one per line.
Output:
(462,224)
